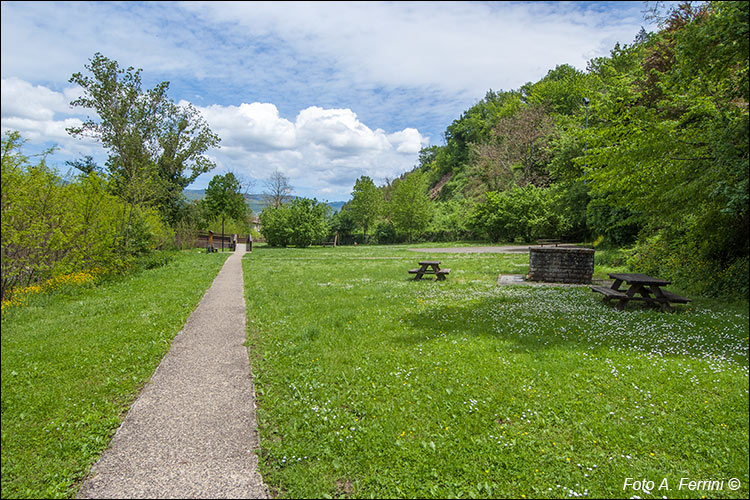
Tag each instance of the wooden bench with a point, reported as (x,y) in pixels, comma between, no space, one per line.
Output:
(547,241)
(609,292)
(673,297)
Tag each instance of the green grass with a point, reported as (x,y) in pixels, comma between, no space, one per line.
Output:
(73,363)
(372,385)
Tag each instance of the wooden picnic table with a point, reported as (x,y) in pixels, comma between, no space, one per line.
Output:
(641,287)
(430,267)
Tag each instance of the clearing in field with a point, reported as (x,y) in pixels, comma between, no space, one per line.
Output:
(372,384)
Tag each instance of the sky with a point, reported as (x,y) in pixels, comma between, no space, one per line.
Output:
(323,92)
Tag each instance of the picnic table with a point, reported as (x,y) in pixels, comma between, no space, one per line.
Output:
(641,287)
(430,267)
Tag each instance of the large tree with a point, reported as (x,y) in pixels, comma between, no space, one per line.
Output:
(367,203)
(410,205)
(516,152)
(278,189)
(156,147)
(224,199)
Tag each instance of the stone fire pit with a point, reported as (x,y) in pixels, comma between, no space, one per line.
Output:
(561,264)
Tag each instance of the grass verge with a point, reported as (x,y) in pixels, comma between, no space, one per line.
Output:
(73,363)
(370,384)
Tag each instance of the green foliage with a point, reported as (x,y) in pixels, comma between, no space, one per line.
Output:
(618,225)
(53,226)
(671,141)
(344,224)
(474,127)
(156,147)
(231,226)
(674,255)
(308,221)
(410,207)
(661,149)
(49,226)
(274,225)
(367,202)
(450,221)
(562,90)
(385,233)
(522,214)
(302,222)
(224,200)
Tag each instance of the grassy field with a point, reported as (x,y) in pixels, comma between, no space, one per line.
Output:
(73,363)
(373,385)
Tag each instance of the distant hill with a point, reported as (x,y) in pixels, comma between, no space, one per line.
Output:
(255,201)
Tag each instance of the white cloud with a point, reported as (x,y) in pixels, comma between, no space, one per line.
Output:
(255,126)
(323,150)
(23,100)
(459,47)
(339,130)
(408,140)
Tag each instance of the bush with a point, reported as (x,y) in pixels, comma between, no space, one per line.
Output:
(681,263)
(302,222)
(524,214)
(275,226)
(53,226)
(385,233)
(450,222)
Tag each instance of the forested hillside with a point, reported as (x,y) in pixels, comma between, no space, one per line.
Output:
(647,148)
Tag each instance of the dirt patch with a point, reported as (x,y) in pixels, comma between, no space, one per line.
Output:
(345,487)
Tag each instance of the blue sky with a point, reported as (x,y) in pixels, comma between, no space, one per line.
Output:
(323,92)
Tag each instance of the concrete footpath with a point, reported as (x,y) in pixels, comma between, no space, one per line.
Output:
(192,431)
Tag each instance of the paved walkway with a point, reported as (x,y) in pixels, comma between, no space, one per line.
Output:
(192,431)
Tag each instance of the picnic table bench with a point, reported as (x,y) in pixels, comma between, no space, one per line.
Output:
(547,241)
(430,267)
(641,287)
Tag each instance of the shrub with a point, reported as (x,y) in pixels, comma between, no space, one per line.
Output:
(302,223)
(522,214)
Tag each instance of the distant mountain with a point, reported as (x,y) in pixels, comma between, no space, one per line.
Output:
(256,201)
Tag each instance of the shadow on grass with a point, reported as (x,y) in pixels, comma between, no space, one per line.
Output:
(530,328)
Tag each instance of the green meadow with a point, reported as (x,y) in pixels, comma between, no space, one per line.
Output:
(370,384)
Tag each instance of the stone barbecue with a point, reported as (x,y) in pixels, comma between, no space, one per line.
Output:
(561,264)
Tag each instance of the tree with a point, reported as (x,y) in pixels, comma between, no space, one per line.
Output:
(86,165)
(671,143)
(410,205)
(302,222)
(224,199)
(307,220)
(517,151)
(522,213)
(279,189)
(366,204)
(156,147)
